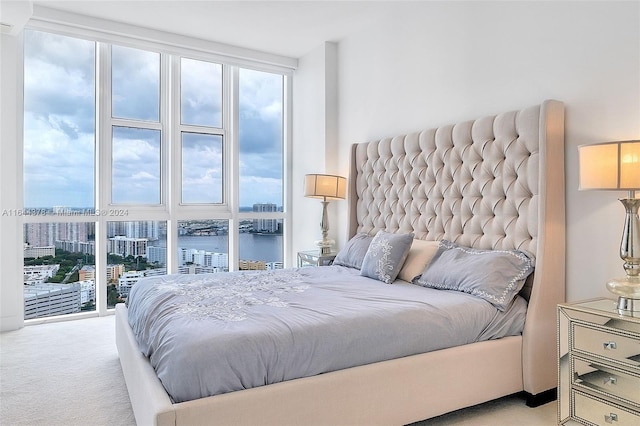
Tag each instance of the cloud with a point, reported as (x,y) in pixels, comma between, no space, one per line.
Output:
(260,112)
(201,93)
(59,131)
(136,166)
(65,82)
(58,121)
(201,168)
(135,76)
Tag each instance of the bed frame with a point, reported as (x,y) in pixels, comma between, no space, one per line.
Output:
(496,182)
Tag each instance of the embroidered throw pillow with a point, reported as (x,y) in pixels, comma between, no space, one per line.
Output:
(493,275)
(386,255)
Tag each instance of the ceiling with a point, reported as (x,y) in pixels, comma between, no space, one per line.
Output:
(288,28)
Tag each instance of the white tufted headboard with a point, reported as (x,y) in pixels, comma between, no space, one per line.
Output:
(492,183)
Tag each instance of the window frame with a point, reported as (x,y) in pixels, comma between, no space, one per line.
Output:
(170,208)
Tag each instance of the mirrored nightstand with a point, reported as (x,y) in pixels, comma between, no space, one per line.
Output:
(598,364)
(315,258)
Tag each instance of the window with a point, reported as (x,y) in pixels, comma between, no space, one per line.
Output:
(177,166)
(59,121)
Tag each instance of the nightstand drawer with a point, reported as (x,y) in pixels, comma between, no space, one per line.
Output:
(608,380)
(607,345)
(599,413)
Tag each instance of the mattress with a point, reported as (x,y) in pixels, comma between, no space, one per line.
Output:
(216,333)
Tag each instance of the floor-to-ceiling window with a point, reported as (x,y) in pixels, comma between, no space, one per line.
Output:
(139,162)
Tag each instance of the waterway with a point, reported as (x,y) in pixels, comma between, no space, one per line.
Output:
(251,246)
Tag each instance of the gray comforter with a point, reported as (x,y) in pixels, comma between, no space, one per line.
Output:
(215,333)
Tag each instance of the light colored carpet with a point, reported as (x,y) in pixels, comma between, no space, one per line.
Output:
(65,373)
(68,374)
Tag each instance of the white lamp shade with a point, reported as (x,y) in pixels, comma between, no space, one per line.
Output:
(610,166)
(327,187)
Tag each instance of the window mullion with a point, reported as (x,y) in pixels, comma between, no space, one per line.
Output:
(123,122)
(170,102)
(231,155)
(287,127)
(102,170)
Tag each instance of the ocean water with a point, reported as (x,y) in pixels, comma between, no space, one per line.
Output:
(251,246)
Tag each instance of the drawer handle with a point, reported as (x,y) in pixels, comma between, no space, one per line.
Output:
(611,381)
(610,345)
(612,417)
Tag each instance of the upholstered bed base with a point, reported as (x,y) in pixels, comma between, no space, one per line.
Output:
(482,198)
(393,392)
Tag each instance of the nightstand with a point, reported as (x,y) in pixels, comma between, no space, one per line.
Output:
(598,364)
(315,258)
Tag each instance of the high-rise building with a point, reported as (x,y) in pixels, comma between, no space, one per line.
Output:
(265,225)
(46,234)
(157,255)
(142,229)
(86,247)
(125,246)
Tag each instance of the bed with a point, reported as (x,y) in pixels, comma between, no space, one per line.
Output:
(491,184)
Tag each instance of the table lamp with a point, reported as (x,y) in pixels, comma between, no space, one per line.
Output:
(616,166)
(327,188)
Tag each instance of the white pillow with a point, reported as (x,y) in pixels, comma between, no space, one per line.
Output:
(420,254)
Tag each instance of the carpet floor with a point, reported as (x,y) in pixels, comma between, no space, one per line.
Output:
(68,373)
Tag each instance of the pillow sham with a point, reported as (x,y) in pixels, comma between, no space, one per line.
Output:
(493,275)
(352,254)
(386,255)
(419,256)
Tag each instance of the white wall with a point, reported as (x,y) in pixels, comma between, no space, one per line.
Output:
(315,136)
(11,303)
(436,63)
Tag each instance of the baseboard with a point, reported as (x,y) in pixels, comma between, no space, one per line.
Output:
(541,398)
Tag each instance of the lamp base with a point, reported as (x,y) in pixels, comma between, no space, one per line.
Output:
(325,245)
(628,291)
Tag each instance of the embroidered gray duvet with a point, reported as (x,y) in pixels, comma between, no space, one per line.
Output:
(216,333)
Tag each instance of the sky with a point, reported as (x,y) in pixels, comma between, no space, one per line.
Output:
(59,127)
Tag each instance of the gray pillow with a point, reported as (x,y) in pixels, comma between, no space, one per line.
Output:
(352,254)
(493,275)
(386,255)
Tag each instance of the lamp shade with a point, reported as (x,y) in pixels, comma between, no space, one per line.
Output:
(610,166)
(327,187)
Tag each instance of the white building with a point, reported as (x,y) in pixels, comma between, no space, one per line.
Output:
(43,300)
(74,246)
(87,291)
(220,261)
(157,255)
(39,274)
(36,252)
(125,246)
(274,265)
(127,280)
(198,269)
